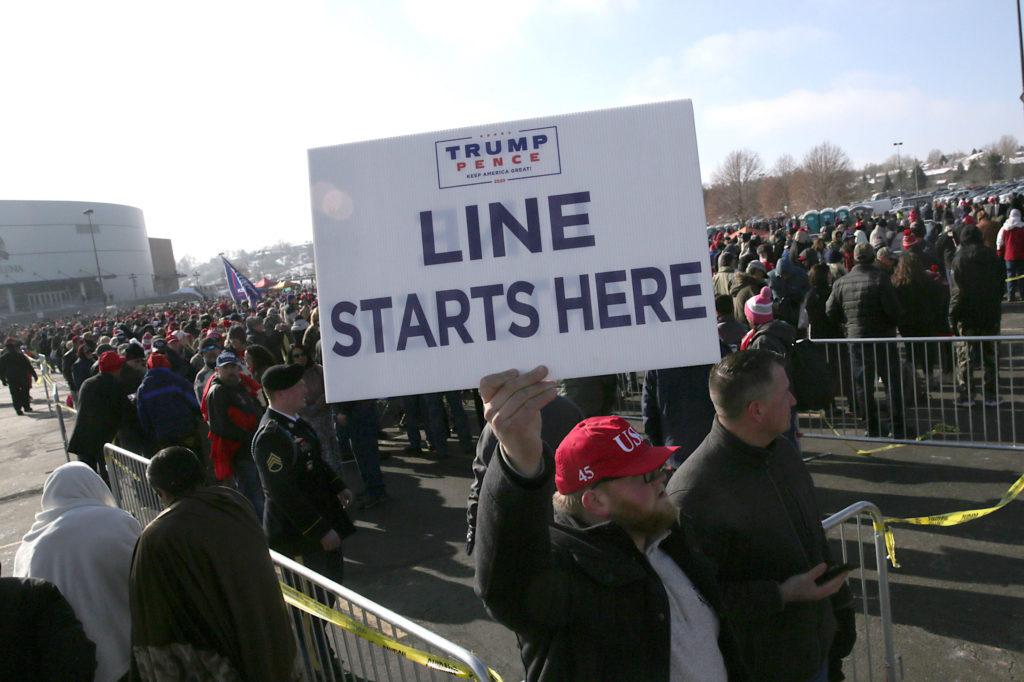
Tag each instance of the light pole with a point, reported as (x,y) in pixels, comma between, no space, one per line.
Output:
(95,254)
(1020,46)
(899,164)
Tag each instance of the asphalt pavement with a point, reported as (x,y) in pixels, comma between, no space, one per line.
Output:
(957,598)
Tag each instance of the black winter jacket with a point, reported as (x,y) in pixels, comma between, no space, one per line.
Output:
(818,324)
(15,368)
(41,639)
(865,300)
(924,304)
(102,404)
(585,603)
(755,515)
(776,336)
(977,291)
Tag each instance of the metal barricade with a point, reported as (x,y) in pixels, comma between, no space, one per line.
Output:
(351,637)
(127,473)
(862,663)
(950,390)
(629,391)
(46,379)
(62,411)
(328,649)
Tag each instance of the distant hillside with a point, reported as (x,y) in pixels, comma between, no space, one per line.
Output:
(279,261)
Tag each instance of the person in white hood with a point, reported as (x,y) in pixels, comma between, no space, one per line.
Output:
(1010,246)
(82,543)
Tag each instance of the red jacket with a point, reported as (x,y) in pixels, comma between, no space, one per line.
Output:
(1011,243)
(223,449)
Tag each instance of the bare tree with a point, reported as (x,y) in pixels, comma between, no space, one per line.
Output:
(935,158)
(775,193)
(784,165)
(1006,146)
(827,172)
(737,178)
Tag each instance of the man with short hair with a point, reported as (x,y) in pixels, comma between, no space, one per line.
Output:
(204,594)
(614,588)
(751,503)
(866,302)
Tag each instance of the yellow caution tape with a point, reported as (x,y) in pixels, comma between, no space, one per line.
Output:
(948,519)
(956,518)
(315,608)
(934,431)
(1016,277)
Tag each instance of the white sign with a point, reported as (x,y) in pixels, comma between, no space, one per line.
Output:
(574,241)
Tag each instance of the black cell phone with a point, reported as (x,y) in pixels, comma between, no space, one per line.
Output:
(832,572)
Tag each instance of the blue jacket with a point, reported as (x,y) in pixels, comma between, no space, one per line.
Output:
(166,404)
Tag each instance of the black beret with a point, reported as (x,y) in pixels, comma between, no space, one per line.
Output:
(281,377)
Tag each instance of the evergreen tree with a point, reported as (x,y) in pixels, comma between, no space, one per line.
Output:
(994,165)
(887,184)
(920,178)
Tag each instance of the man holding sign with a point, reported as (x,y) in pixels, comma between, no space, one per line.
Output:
(614,589)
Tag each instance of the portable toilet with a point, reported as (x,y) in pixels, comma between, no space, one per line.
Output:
(812,220)
(828,217)
(843,213)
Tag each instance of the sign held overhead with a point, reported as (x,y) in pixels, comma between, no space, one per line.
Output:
(576,241)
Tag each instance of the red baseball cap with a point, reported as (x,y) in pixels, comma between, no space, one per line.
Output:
(604,447)
(110,361)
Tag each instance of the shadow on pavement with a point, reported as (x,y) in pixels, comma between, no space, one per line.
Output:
(881,470)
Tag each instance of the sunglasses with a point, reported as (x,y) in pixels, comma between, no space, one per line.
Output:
(658,474)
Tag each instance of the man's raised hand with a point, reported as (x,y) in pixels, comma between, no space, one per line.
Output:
(512,404)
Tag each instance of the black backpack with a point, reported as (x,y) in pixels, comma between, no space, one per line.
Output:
(813,383)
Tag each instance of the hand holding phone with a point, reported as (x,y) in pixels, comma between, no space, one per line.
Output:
(832,572)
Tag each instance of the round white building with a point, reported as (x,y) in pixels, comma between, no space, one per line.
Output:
(50,252)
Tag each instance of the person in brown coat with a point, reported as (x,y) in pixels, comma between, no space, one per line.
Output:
(746,285)
(988,228)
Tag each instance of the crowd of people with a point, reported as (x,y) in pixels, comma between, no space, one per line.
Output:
(876,277)
(592,542)
(246,453)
